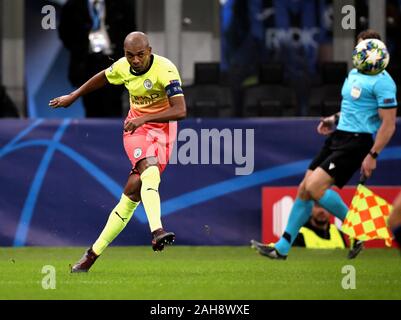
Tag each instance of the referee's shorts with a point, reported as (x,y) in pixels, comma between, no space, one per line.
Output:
(342,154)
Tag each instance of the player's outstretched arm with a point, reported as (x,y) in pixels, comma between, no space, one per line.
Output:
(177,111)
(97,81)
(386,131)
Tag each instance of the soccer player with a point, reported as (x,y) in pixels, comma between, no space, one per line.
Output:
(395,220)
(368,107)
(156,101)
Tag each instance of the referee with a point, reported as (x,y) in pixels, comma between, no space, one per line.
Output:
(368,108)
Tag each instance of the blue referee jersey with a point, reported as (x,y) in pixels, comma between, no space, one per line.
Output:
(362,96)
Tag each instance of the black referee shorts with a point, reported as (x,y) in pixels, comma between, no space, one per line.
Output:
(342,154)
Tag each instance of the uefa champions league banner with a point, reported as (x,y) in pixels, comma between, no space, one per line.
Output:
(61,178)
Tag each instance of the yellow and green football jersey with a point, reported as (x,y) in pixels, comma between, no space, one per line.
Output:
(149,91)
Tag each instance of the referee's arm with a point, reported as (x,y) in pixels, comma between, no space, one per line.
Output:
(384,134)
(387,128)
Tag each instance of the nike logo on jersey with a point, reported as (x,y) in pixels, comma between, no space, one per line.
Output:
(332,166)
(152,190)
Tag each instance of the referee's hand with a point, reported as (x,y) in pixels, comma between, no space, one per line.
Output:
(326,125)
(368,166)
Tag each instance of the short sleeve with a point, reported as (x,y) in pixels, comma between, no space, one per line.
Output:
(385,91)
(170,79)
(114,74)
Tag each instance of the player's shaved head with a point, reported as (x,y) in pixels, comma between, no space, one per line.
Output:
(136,40)
(137,51)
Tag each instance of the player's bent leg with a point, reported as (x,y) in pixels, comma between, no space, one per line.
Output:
(118,219)
(318,186)
(302,192)
(395,220)
(299,215)
(150,178)
(317,183)
(133,187)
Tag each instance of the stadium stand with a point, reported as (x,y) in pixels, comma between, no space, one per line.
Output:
(325,98)
(207,97)
(270,97)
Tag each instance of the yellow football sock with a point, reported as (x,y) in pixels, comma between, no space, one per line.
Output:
(117,221)
(150,196)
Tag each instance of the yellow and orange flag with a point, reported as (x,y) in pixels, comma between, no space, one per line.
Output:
(367,217)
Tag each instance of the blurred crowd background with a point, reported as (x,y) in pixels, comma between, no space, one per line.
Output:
(237,58)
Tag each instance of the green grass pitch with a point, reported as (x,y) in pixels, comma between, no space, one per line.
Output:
(192,273)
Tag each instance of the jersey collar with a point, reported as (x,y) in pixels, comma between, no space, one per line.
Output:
(144,71)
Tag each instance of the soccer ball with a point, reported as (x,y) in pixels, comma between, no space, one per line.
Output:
(370,56)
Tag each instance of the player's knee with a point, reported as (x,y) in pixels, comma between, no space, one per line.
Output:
(150,177)
(146,163)
(313,189)
(133,192)
(133,188)
(134,196)
(302,193)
